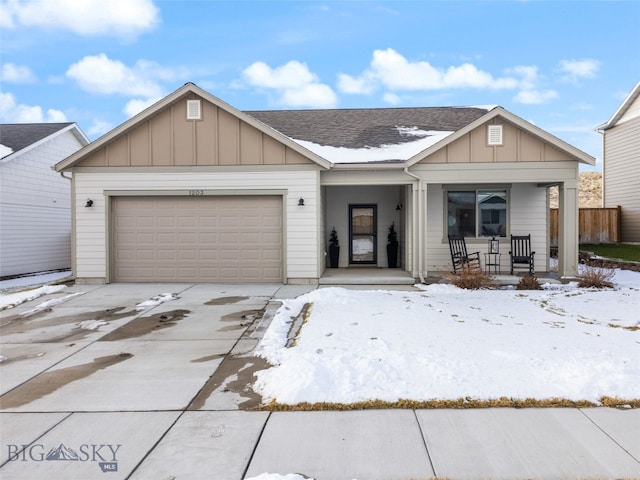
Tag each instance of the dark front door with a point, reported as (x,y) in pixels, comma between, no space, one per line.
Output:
(363,240)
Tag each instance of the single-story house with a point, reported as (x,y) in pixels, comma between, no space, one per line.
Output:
(35,201)
(194,190)
(621,154)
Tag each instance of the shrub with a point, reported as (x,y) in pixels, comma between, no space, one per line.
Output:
(528,282)
(594,277)
(471,279)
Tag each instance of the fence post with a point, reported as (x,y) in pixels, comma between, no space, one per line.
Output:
(618,224)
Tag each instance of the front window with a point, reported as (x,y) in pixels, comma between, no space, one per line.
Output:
(477,213)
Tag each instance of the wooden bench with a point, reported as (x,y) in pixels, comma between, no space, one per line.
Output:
(461,259)
(521,253)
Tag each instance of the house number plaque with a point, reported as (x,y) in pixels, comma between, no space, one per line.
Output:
(196,193)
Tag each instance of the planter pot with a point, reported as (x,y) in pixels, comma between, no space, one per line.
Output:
(392,255)
(334,255)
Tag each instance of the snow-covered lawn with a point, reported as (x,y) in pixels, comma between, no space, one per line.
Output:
(447,343)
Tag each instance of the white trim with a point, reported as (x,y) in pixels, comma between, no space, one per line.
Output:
(73,127)
(621,109)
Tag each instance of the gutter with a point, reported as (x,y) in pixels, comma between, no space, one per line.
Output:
(420,224)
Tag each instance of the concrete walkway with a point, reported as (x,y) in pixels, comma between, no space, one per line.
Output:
(103,385)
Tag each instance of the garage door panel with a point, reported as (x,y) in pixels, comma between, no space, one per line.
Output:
(203,239)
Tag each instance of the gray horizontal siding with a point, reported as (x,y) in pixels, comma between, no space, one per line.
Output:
(622,175)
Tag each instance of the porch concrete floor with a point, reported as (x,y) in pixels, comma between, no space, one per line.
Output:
(366,276)
(374,276)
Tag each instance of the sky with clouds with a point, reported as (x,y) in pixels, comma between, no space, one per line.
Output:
(564,66)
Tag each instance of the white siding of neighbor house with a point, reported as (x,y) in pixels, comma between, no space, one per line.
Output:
(300,222)
(527,215)
(35,206)
(621,173)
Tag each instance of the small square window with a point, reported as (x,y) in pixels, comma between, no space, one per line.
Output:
(494,134)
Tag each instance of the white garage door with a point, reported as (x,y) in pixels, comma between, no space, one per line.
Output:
(197,239)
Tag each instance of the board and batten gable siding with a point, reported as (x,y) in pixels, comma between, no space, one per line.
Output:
(517,146)
(526,215)
(167,138)
(35,225)
(300,222)
(621,172)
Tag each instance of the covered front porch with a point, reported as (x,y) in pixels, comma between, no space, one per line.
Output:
(362,216)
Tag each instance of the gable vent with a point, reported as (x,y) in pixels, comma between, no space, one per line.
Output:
(194,110)
(494,134)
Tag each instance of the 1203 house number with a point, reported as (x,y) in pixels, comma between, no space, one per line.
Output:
(196,193)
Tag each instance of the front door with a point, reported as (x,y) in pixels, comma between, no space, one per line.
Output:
(363,240)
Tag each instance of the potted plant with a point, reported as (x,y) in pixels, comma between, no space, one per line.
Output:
(392,247)
(334,249)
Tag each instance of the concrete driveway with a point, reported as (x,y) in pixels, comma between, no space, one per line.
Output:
(115,383)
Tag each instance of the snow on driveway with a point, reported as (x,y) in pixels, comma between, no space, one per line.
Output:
(447,343)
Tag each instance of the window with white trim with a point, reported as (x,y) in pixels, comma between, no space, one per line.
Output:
(477,213)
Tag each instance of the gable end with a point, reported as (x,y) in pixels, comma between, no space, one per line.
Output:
(171,137)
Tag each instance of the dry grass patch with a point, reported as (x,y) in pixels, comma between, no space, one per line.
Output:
(470,279)
(595,277)
(529,282)
(460,403)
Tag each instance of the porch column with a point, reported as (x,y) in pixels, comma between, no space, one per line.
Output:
(568,229)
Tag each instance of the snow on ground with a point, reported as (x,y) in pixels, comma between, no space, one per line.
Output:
(447,343)
(156,300)
(277,476)
(13,299)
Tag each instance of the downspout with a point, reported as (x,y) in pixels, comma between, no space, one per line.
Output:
(420,225)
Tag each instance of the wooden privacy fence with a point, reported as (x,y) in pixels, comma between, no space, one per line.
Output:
(596,225)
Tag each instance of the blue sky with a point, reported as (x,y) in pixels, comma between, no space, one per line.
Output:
(564,66)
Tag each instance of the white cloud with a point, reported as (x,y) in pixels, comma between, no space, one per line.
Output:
(13,73)
(291,75)
(135,106)
(294,82)
(391,98)
(530,92)
(575,69)
(121,18)
(102,75)
(365,84)
(99,128)
(535,97)
(12,112)
(393,71)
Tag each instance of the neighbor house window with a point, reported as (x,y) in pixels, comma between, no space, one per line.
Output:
(477,213)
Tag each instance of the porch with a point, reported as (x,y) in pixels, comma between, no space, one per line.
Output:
(366,276)
(383,277)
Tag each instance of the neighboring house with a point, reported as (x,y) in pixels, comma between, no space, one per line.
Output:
(194,190)
(35,201)
(621,162)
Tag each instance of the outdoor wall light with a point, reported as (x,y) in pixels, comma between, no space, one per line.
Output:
(89,203)
(399,207)
(301,202)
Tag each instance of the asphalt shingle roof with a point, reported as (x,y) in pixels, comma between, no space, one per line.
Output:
(20,135)
(370,127)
